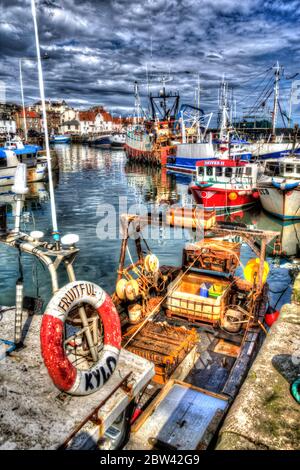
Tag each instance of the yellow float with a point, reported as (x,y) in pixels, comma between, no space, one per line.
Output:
(120,289)
(252,268)
(151,263)
(132,289)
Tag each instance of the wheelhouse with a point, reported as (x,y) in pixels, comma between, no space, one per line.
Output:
(286,168)
(226,170)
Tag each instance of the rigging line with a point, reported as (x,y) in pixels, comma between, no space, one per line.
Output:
(256,88)
(262,104)
(265,72)
(282,115)
(265,87)
(264,95)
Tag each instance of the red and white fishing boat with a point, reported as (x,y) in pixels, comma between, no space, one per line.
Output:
(225,184)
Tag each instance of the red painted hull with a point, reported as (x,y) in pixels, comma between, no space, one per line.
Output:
(215,198)
(136,153)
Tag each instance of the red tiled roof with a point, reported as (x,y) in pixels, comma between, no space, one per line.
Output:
(105,114)
(29,114)
(87,116)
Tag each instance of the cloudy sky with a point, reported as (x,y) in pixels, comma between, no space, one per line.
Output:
(96,49)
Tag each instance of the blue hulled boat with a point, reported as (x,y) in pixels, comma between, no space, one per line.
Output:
(60,139)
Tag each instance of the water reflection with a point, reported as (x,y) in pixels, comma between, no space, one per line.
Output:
(91,177)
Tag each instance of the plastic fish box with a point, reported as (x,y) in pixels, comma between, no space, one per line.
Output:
(184,301)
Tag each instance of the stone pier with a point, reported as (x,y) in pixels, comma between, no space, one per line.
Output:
(265,415)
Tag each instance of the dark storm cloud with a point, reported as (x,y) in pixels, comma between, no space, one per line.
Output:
(97,49)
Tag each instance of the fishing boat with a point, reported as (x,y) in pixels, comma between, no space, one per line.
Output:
(60,139)
(227,144)
(152,140)
(214,308)
(9,160)
(225,184)
(103,141)
(28,153)
(279,188)
(187,155)
(264,150)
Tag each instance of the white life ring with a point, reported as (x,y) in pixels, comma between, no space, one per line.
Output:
(63,373)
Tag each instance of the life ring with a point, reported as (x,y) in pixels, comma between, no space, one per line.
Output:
(64,374)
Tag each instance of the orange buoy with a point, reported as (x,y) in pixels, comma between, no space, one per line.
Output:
(232,196)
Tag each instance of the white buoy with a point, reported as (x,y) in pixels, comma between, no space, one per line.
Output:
(20,188)
(37,234)
(70,239)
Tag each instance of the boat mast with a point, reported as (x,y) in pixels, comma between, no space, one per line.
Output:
(23,102)
(276,98)
(183,130)
(290,105)
(137,103)
(198,106)
(223,105)
(42,93)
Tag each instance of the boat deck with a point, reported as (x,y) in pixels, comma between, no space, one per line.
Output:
(202,395)
(35,415)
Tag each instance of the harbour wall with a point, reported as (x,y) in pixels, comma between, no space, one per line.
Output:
(265,415)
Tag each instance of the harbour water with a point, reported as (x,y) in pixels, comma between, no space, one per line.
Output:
(88,190)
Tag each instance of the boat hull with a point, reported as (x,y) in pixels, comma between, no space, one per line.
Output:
(282,204)
(266,151)
(38,173)
(60,140)
(101,142)
(220,199)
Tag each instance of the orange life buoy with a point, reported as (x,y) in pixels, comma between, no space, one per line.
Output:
(63,373)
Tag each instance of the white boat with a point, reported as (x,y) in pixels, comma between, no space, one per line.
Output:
(9,160)
(265,150)
(26,153)
(118,140)
(60,139)
(279,187)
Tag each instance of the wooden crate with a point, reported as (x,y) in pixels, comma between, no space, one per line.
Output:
(184,301)
(213,255)
(165,345)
